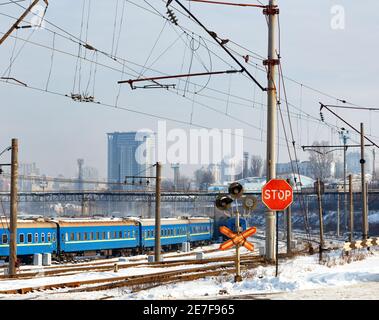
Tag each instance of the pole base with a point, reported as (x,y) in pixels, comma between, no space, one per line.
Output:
(237,279)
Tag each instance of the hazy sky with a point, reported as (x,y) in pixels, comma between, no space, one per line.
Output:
(54,131)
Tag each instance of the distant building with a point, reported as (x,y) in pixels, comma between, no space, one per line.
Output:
(129,154)
(26,171)
(215,169)
(290,167)
(90,174)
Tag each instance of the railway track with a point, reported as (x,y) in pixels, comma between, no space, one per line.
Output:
(158,277)
(110,267)
(104,262)
(219,266)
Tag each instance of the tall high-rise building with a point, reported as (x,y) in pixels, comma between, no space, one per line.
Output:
(130,154)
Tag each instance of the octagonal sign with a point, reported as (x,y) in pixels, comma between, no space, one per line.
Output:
(277,194)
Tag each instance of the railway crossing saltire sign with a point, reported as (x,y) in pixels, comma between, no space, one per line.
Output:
(277,194)
(237,239)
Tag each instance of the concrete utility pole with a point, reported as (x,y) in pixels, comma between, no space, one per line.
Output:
(344,135)
(363,181)
(238,277)
(320,217)
(344,185)
(338,214)
(158,212)
(273,60)
(289,227)
(351,236)
(13,210)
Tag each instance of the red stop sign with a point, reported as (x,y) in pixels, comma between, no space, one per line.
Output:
(277,194)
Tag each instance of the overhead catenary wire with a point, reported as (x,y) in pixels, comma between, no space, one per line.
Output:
(227,95)
(131,2)
(134,63)
(208,40)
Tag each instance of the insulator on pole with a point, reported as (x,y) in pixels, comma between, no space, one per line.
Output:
(172,17)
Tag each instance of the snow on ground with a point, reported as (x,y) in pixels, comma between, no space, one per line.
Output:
(303,273)
(300,278)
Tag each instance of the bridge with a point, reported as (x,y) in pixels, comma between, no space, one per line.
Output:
(142,196)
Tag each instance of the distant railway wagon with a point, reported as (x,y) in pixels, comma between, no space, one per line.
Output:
(97,235)
(173,232)
(111,235)
(200,229)
(32,236)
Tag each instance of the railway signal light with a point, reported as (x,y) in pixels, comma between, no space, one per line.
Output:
(223,203)
(250,203)
(235,190)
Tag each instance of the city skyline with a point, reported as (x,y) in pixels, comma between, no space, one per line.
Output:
(55,131)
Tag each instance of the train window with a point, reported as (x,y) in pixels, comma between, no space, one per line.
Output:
(49,237)
(114,235)
(108,235)
(104,235)
(72,236)
(125,235)
(98,235)
(133,234)
(22,238)
(36,237)
(174,232)
(4,238)
(53,236)
(91,236)
(42,237)
(120,234)
(79,236)
(30,238)
(85,236)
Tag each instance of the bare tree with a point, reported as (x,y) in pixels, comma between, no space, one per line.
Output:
(256,166)
(321,160)
(184,183)
(203,178)
(167,185)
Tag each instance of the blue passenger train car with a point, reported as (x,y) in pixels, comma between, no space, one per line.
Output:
(173,232)
(33,236)
(107,235)
(96,235)
(200,229)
